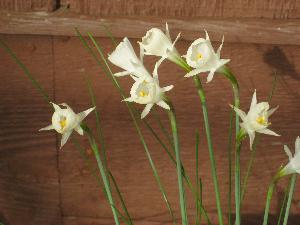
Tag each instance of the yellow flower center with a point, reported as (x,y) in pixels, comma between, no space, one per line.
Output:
(199,56)
(262,120)
(63,123)
(143,94)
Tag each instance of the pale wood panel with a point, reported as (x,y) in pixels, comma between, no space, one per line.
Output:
(254,64)
(29,187)
(62,22)
(278,9)
(28,5)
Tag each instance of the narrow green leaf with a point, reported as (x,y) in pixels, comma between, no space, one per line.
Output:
(290,197)
(120,197)
(284,201)
(35,83)
(198,211)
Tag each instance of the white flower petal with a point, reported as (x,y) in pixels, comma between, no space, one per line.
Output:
(157,64)
(267,131)
(64,138)
(55,106)
(206,35)
(82,115)
(297,145)
(146,110)
(130,99)
(288,152)
(121,74)
(254,100)
(79,130)
(167,88)
(50,127)
(241,113)
(167,31)
(251,137)
(210,76)
(220,47)
(271,111)
(163,104)
(194,72)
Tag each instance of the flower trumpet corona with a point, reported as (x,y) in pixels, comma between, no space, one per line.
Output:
(294,162)
(257,119)
(64,121)
(202,57)
(158,43)
(146,90)
(124,57)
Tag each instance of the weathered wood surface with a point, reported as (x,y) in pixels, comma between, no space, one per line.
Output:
(28,5)
(80,201)
(62,22)
(278,9)
(29,179)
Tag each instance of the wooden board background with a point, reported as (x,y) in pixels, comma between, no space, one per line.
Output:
(276,9)
(41,185)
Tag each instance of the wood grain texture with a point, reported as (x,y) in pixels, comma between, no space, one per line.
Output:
(30,192)
(28,5)
(263,31)
(253,63)
(274,9)
(29,187)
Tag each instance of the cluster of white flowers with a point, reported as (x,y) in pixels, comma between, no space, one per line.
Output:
(146,90)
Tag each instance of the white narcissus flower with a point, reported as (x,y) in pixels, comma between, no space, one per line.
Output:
(294,165)
(64,121)
(124,57)
(257,119)
(202,57)
(146,90)
(158,43)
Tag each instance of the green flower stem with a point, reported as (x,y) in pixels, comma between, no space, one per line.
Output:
(102,173)
(269,196)
(235,87)
(289,201)
(229,146)
(236,92)
(284,201)
(173,122)
(268,201)
(201,94)
(237,186)
(237,174)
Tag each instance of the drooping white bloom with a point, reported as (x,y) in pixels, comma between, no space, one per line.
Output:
(257,119)
(64,121)
(202,57)
(294,162)
(158,43)
(146,90)
(124,57)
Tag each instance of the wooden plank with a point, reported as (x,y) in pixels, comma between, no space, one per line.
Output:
(29,187)
(254,64)
(266,31)
(273,9)
(28,5)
